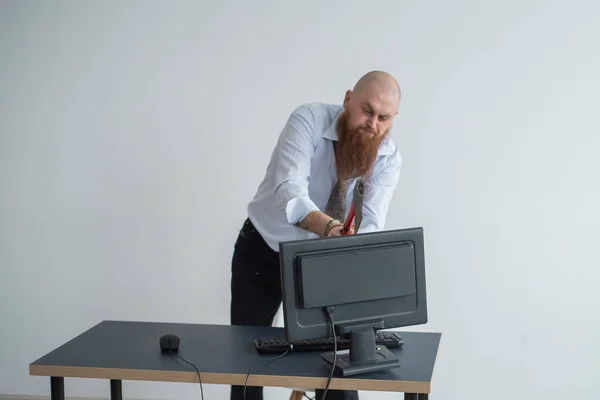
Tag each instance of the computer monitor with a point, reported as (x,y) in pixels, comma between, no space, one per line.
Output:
(370,281)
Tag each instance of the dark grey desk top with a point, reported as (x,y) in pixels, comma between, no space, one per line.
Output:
(223,354)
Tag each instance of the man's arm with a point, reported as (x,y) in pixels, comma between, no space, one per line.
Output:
(379,190)
(318,222)
(295,149)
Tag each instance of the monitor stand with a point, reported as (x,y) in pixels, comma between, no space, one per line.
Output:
(364,354)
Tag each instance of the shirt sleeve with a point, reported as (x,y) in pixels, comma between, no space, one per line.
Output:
(295,149)
(379,189)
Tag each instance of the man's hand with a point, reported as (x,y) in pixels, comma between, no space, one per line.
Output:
(337,231)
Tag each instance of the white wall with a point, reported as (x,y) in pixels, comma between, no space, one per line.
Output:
(123,126)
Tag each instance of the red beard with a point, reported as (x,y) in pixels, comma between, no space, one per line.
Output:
(356,150)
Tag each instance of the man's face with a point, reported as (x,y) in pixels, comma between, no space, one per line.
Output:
(364,123)
(371,111)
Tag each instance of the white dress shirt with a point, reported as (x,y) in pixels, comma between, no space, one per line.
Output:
(301,174)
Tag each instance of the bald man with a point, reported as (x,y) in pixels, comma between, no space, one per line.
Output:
(307,189)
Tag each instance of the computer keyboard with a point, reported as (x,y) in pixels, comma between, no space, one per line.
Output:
(277,344)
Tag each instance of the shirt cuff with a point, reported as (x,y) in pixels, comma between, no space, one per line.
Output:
(298,208)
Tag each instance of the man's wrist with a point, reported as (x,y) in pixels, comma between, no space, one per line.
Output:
(330,225)
(315,222)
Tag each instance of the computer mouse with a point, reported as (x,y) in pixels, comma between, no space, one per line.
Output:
(169,343)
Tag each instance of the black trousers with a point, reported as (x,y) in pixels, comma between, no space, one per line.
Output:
(256,297)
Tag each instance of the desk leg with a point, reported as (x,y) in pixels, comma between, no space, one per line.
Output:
(416,396)
(57,388)
(116,390)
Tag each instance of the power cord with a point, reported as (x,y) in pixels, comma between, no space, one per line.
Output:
(268,360)
(198,372)
(330,314)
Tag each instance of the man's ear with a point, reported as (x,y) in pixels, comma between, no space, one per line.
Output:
(347,97)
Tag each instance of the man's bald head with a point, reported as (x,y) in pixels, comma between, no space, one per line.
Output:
(385,82)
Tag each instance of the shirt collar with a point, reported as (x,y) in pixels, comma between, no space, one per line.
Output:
(385,149)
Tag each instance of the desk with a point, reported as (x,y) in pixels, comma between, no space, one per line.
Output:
(122,350)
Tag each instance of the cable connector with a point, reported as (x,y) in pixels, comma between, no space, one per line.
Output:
(330,314)
(330,311)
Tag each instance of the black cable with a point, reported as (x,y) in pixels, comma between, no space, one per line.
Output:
(268,360)
(330,311)
(198,372)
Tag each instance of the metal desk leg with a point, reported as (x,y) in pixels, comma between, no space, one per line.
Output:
(416,396)
(57,388)
(116,390)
